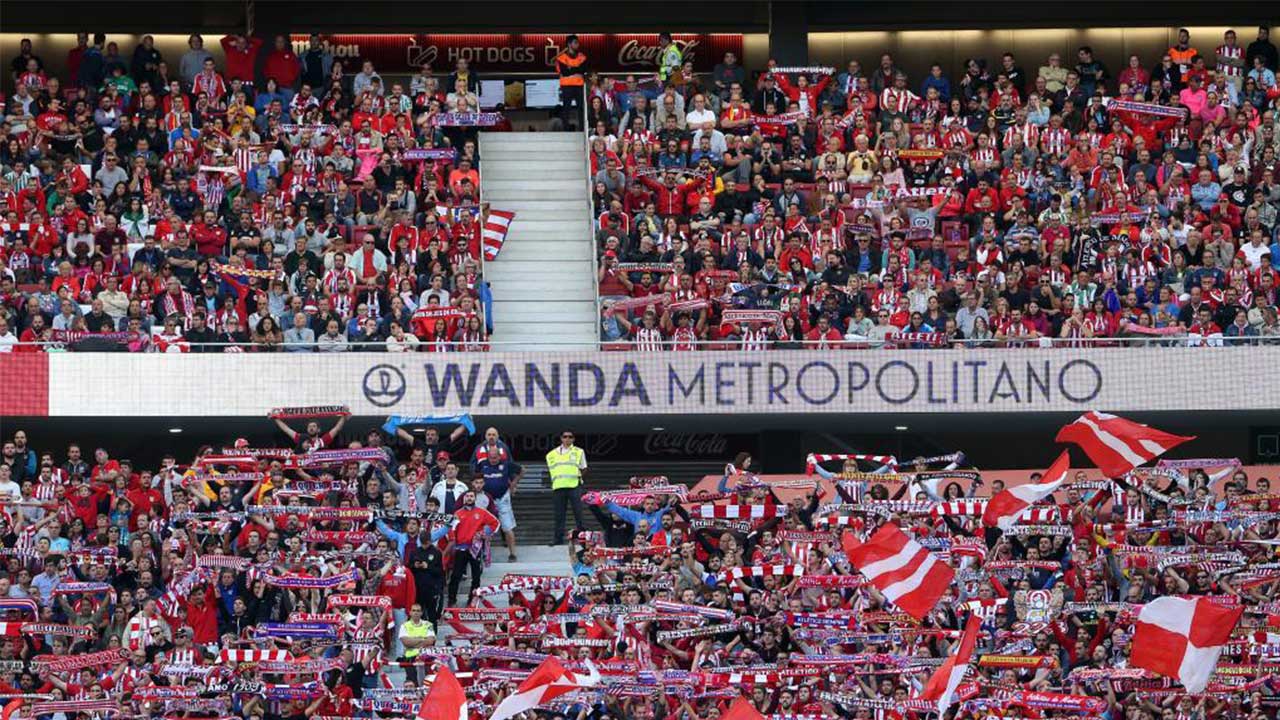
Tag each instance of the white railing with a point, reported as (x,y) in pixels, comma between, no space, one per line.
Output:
(845,344)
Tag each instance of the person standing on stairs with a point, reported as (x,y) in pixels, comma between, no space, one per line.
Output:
(568,465)
(470,538)
(499,476)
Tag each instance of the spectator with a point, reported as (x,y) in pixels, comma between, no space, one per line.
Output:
(300,337)
(192,61)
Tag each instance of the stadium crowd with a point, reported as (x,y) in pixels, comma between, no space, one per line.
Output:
(1030,200)
(323,579)
(169,203)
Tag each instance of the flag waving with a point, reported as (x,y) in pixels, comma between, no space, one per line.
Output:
(1117,445)
(900,568)
(445,700)
(547,682)
(1182,638)
(942,685)
(496,225)
(740,709)
(1007,505)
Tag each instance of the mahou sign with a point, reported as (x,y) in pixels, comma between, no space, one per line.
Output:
(517,52)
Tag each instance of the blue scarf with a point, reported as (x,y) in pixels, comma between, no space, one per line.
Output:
(395,421)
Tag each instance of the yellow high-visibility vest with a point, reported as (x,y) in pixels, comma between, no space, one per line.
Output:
(565,467)
(423,629)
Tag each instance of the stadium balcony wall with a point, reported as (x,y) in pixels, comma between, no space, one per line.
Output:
(714,383)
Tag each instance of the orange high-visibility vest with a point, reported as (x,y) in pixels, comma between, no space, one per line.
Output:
(569,69)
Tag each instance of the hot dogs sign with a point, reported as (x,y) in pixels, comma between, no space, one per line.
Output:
(517,52)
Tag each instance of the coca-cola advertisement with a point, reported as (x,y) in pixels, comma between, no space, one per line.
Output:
(518,52)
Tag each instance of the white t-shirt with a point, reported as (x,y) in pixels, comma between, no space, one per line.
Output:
(699,117)
(7,341)
(11,490)
(1253,254)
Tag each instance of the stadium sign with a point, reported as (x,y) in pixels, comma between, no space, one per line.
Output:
(518,52)
(509,383)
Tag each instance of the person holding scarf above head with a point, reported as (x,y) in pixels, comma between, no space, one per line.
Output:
(803,93)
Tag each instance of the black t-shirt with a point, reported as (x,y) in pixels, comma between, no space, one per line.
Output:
(183,273)
(1017,297)
(63,144)
(19,64)
(99,322)
(429,450)
(1238,193)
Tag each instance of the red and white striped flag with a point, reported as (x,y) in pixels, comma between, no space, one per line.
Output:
(900,568)
(496,225)
(1005,509)
(547,682)
(445,700)
(1182,638)
(1117,445)
(942,685)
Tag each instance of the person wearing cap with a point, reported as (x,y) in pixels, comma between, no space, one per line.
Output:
(567,464)
(768,93)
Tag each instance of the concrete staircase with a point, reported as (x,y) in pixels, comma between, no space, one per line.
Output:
(535,516)
(544,280)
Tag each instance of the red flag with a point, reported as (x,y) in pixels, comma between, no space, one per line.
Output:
(740,709)
(1182,638)
(446,699)
(900,568)
(1005,508)
(1117,445)
(942,685)
(496,225)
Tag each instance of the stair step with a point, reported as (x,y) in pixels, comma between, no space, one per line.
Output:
(539,251)
(533,312)
(518,167)
(569,201)
(532,188)
(571,217)
(557,233)
(509,140)
(531,159)
(551,244)
(533,179)
(564,332)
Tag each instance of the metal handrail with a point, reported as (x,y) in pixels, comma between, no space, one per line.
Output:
(856,343)
(591,215)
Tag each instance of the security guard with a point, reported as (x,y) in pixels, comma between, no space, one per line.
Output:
(568,464)
(570,65)
(416,634)
(670,58)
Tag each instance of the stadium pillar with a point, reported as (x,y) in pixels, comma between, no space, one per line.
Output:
(789,33)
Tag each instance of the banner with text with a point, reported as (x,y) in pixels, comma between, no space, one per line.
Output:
(518,52)
(586,383)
